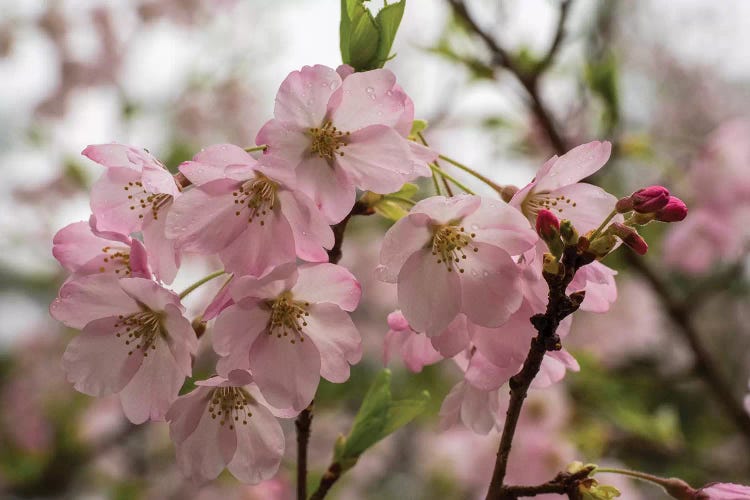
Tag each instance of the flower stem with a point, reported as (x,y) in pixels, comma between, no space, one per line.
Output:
(677,488)
(200,282)
(262,147)
(400,198)
(455,181)
(603,225)
(472,172)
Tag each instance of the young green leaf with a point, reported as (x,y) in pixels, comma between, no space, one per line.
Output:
(365,41)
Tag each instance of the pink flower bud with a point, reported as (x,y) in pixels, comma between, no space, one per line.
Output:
(723,491)
(547,225)
(650,199)
(674,211)
(630,237)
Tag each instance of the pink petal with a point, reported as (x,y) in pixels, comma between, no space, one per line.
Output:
(163,253)
(234,332)
(111,205)
(501,225)
(260,248)
(319,283)
(303,96)
(312,235)
(507,345)
(287,374)
(182,340)
(479,409)
(592,205)
(204,219)
(576,164)
(260,446)
(453,339)
(486,376)
(444,210)
(554,366)
(91,297)
(490,286)
(220,156)
(369,98)
(185,414)
(378,159)
(429,295)
(330,188)
(149,293)
(422,156)
(154,387)
(269,286)
(75,245)
(408,235)
(287,145)
(337,339)
(97,362)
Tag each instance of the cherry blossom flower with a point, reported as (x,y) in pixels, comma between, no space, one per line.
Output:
(452,255)
(338,135)
(723,491)
(222,424)
(415,349)
(289,328)
(83,250)
(135,342)
(246,213)
(556,187)
(135,194)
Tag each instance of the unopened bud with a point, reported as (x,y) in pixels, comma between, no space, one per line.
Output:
(602,245)
(674,211)
(630,237)
(199,326)
(507,193)
(547,225)
(650,199)
(568,233)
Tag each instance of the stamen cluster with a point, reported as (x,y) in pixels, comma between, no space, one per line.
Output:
(288,316)
(141,329)
(230,404)
(259,195)
(448,243)
(327,140)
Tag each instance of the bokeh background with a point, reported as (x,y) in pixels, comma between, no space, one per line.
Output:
(667,82)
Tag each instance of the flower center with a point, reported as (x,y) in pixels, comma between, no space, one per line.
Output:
(118,258)
(256,195)
(142,200)
(288,317)
(327,140)
(140,330)
(448,243)
(230,404)
(538,201)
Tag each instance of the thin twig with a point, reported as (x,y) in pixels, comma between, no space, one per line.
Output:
(327,481)
(302,424)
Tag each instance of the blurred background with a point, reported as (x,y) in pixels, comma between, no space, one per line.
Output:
(664,372)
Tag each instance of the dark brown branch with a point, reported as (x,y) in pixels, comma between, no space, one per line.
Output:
(327,481)
(565,483)
(303,423)
(549,57)
(559,305)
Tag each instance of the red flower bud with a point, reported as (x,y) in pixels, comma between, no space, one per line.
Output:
(650,199)
(630,237)
(674,211)
(547,225)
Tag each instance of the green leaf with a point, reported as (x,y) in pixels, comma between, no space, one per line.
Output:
(378,417)
(390,209)
(388,20)
(365,41)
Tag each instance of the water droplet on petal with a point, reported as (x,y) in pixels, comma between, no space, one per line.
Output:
(475,226)
(486,273)
(370,90)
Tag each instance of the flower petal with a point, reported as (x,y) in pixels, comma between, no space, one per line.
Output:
(311,233)
(260,446)
(369,98)
(303,96)
(337,339)
(444,210)
(233,335)
(501,225)
(584,204)
(408,235)
(329,187)
(319,283)
(576,164)
(91,297)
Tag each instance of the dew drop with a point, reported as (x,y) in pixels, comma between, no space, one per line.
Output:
(370,90)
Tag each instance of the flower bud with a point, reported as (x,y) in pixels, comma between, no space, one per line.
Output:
(602,245)
(547,225)
(550,264)
(674,211)
(507,193)
(650,199)
(568,233)
(630,237)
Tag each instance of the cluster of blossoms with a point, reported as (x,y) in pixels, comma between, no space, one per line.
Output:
(469,270)
(281,321)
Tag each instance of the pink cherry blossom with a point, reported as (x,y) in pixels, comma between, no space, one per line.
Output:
(556,187)
(415,349)
(289,328)
(135,342)
(135,194)
(341,134)
(246,213)
(222,424)
(83,250)
(723,491)
(452,255)
(476,409)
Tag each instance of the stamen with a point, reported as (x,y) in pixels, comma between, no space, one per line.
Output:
(539,201)
(141,200)
(257,195)
(288,318)
(140,330)
(118,259)
(327,141)
(448,243)
(230,405)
